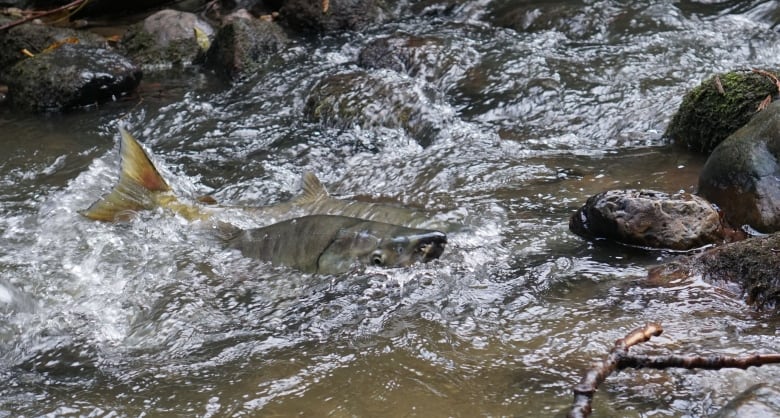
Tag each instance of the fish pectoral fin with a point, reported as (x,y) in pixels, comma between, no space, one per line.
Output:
(227,232)
(313,189)
(139,182)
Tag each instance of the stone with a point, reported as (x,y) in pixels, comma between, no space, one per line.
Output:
(647,218)
(165,39)
(742,175)
(35,38)
(243,45)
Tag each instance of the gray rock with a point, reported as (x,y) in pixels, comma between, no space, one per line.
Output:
(165,39)
(649,219)
(69,77)
(742,175)
(758,401)
(242,46)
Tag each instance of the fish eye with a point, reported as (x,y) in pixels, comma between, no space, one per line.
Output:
(377,259)
(399,250)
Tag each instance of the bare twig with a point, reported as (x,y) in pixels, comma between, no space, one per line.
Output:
(583,392)
(619,359)
(73,4)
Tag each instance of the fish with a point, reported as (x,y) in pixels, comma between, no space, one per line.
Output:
(314,243)
(137,168)
(331,244)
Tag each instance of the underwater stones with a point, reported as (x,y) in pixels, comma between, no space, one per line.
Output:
(742,175)
(748,268)
(309,15)
(649,219)
(165,39)
(243,45)
(379,98)
(717,108)
(68,77)
(758,401)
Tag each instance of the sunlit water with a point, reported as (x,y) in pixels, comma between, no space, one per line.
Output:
(156,318)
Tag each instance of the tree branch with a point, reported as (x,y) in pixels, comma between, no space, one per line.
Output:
(73,4)
(619,359)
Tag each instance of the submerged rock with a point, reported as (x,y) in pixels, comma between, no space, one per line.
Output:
(742,176)
(380,98)
(165,39)
(243,45)
(717,108)
(749,268)
(68,77)
(649,219)
(309,15)
(758,401)
(426,57)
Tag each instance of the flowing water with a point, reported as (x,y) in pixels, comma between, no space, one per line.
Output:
(156,318)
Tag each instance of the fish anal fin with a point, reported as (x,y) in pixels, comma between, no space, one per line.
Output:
(313,189)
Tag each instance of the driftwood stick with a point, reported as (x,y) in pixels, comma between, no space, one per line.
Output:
(698,362)
(619,359)
(583,392)
(76,3)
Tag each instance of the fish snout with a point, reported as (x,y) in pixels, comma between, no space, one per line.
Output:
(430,246)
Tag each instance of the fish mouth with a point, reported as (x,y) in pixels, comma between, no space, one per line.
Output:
(430,246)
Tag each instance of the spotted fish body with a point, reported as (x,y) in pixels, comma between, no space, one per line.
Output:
(330,244)
(316,243)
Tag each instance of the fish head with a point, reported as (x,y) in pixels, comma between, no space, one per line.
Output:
(381,245)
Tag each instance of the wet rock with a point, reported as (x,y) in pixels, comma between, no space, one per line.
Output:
(68,77)
(379,98)
(309,16)
(717,108)
(165,39)
(749,269)
(742,175)
(758,401)
(243,45)
(36,38)
(649,219)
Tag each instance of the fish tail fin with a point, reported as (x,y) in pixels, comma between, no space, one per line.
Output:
(313,190)
(138,180)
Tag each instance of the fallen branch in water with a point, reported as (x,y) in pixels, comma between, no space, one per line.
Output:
(71,5)
(619,359)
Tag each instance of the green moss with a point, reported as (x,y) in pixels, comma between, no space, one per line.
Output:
(708,115)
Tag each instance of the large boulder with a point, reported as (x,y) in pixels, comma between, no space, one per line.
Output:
(165,39)
(742,175)
(649,218)
(244,45)
(68,77)
(716,108)
(749,269)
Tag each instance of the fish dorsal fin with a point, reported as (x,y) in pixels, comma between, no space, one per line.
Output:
(313,190)
(138,180)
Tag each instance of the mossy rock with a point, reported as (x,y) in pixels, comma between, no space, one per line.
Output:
(709,114)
